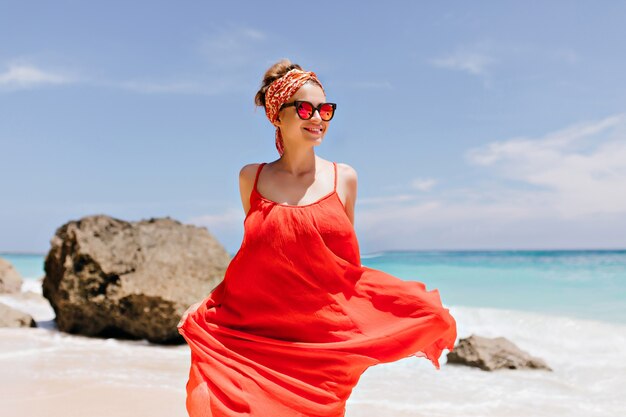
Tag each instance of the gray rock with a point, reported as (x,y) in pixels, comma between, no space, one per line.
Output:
(10,279)
(107,277)
(11,317)
(490,354)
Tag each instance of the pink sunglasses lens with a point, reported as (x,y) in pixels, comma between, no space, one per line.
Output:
(305,110)
(326,112)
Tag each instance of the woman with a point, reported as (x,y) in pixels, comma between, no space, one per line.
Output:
(297,319)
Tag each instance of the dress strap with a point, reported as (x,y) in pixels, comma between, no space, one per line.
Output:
(335,186)
(256,178)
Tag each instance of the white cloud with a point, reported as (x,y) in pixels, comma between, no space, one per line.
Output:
(512,59)
(24,76)
(20,76)
(251,33)
(558,141)
(226,226)
(583,166)
(159,87)
(228,53)
(227,218)
(564,189)
(467,60)
(232,47)
(371,85)
(222,223)
(423,184)
(386,199)
(176,87)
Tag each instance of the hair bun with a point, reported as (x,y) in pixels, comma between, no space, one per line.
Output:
(276,71)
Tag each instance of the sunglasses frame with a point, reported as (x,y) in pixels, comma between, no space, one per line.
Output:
(295,103)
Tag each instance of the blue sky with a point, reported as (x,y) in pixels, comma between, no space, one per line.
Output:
(482,125)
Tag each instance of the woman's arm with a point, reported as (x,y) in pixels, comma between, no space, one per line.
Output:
(347,182)
(246,182)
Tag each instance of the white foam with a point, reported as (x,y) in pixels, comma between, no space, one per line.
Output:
(30,301)
(587,357)
(33,285)
(587,379)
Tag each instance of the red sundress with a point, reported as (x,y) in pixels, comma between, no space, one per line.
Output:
(297,319)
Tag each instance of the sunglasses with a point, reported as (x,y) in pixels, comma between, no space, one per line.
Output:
(306,109)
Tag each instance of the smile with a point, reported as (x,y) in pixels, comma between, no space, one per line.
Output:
(313,129)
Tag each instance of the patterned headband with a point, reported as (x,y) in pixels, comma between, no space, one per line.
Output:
(281,90)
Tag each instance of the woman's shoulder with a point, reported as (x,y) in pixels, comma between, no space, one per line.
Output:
(247,173)
(248,168)
(346,171)
(341,167)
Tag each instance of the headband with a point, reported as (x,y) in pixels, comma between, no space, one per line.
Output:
(281,90)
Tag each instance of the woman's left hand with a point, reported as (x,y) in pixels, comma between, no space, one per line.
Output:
(191,308)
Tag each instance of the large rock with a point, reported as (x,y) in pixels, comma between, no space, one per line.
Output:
(112,278)
(489,354)
(11,317)
(10,279)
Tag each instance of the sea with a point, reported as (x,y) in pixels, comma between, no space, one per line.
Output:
(567,307)
(588,284)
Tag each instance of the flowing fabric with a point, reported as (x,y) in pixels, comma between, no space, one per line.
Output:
(297,319)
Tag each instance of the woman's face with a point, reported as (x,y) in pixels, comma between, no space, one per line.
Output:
(296,131)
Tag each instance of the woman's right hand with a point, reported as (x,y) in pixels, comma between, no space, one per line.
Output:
(191,308)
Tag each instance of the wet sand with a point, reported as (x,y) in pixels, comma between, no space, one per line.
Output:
(49,373)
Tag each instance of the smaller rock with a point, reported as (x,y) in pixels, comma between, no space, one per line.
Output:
(490,354)
(10,279)
(11,317)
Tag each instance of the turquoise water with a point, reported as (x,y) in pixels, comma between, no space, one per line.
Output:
(584,284)
(29,265)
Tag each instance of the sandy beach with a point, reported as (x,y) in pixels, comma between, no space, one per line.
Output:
(49,373)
